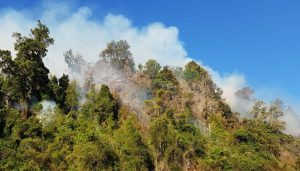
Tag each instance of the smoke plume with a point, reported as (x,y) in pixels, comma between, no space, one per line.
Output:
(77,30)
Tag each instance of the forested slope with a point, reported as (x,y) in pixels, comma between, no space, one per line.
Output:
(112,115)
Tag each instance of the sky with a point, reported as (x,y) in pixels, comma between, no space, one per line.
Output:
(260,39)
(243,43)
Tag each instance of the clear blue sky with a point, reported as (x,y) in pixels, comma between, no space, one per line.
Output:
(259,38)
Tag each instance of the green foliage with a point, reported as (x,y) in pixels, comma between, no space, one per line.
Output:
(104,134)
(58,91)
(2,106)
(102,106)
(2,92)
(72,96)
(132,148)
(225,110)
(175,141)
(165,80)
(151,68)
(262,135)
(253,146)
(27,77)
(194,72)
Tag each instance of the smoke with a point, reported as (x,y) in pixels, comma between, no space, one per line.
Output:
(76,29)
(45,115)
(79,32)
(47,106)
(293,121)
(230,84)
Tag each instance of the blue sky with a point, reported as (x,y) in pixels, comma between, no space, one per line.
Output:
(260,39)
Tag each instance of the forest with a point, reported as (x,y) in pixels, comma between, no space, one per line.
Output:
(117,115)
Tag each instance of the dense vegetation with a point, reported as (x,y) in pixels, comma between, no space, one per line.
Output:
(188,126)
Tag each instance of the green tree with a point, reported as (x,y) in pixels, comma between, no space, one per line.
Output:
(73,96)
(26,73)
(2,106)
(58,90)
(193,71)
(151,68)
(131,147)
(165,80)
(101,105)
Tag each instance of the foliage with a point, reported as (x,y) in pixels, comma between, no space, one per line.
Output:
(165,80)
(101,105)
(103,133)
(193,71)
(269,114)
(73,96)
(132,148)
(58,90)
(27,77)
(151,68)
(118,55)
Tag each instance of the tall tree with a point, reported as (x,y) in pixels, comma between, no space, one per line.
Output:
(165,80)
(58,90)
(151,68)
(75,61)
(269,114)
(118,55)
(72,96)
(101,105)
(193,71)
(26,73)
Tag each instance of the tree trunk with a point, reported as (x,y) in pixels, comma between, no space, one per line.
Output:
(24,109)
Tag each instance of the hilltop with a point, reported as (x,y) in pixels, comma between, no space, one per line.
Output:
(116,115)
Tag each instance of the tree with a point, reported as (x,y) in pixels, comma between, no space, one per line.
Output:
(58,90)
(75,62)
(193,71)
(101,105)
(2,92)
(176,142)
(118,55)
(2,104)
(276,109)
(259,110)
(92,156)
(200,80)
(73,96)
(26,73)
(131,147)
(151,68)
(89,81)
(275,112)
(270,115)
(165,80)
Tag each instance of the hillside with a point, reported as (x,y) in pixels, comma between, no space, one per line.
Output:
(116,115)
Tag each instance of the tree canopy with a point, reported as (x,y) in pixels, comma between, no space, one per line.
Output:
(58,123)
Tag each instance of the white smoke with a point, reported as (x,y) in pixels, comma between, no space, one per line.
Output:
(76,30)
(47,106)
(293,121)
(47,111)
